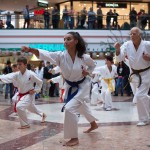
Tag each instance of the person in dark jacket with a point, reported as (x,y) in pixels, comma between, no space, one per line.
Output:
(121,71)
(9,86)
(55,17)
(46,15)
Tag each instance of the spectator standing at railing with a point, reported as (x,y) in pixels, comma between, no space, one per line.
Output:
(99,18)
(71,18)
(46,15)
(83,16)
(26,16)
(115,19)
(55,17)
(8,19)
(91,18)
(139,18)
(78,20)
(144,20)
(108,18)
(65,17)
(133,17)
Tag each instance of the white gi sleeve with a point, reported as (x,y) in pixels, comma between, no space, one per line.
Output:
(56,79)
(9,78)
(122,55)
(89,62)
(56,69)
(53,57)
(38,82)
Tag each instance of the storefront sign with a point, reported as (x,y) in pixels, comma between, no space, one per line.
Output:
(39,12)
(41,3)
(112,5)
(49,47)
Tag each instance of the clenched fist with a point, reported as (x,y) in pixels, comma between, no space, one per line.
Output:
(25,49)
(117,46)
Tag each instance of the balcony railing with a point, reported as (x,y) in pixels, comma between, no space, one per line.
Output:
(73,22)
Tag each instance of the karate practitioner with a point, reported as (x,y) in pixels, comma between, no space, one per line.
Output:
(24,80)
(59,79)
(108,73)
(75,66)
(95,94)
(132,84)
(138,54)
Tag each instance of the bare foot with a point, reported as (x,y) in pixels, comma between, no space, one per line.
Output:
(72,142)
(24,127)
(43,118)
(93,127)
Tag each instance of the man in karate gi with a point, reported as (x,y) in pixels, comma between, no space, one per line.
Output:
(138,53)
(24,80)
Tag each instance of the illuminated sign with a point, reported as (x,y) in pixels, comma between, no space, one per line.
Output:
(49,47)
(41,3)
(112,5)
(39,12)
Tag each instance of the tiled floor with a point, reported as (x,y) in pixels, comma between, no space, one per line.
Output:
(117,128)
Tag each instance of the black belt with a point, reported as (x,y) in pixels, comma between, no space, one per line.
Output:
(137,72)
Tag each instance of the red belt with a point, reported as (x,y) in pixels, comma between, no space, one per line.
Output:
(20,95)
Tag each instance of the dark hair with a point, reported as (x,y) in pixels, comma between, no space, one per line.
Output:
(123,64)
(22,59)
(109,58)
(8,62)
(29,66)
(81,45)
(14,65)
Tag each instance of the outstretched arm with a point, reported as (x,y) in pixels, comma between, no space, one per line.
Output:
(31,50)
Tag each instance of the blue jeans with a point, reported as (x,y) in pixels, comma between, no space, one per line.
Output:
(71,22)
(9,89)
(119,83)
(65,19)
(46,24)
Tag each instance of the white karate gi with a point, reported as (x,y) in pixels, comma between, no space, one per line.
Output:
(137,62)
(132,84)
(59,79)
(95,95)
(39,72)
(24,83)
(105,91)
(72,71)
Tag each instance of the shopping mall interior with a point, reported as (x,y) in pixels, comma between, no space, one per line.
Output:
(122,8)
(117,128)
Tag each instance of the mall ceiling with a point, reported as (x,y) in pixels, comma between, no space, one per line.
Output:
(18,5)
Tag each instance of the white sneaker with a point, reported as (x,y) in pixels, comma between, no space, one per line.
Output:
(108,109)
(142,123)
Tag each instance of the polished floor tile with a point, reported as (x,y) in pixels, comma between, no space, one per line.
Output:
(117,128)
